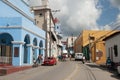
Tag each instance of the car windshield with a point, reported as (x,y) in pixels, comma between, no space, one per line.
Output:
(79,54)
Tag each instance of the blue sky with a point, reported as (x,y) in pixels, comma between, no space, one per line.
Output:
(79,15)
(109,13)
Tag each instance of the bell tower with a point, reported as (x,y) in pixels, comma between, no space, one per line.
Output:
(42,13)
(43,20)
(45,3)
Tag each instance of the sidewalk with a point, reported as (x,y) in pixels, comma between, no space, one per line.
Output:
(25,74)
(4,70)
(102,72)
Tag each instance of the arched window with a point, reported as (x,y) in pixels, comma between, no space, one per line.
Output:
(34,51)
(6,46)
(41,46)
(35,42)
(27,41)
(5,39)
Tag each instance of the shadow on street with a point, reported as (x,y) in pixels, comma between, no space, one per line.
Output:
(103,67)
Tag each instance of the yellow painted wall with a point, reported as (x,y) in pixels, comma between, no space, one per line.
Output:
(98,48)
(98,44)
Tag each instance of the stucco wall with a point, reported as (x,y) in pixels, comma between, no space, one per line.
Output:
(110,44)
(17,20)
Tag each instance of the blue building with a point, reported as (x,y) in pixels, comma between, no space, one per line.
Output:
(21,41)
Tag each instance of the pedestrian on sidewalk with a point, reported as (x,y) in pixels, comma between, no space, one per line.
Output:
(108,63)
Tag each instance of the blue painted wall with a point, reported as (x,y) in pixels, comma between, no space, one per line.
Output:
(18,26)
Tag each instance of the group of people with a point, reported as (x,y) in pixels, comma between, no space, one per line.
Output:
(64,57)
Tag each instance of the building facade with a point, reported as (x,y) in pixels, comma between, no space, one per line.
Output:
(59,36)
(70,44)
(112,45)
(91,44)
(21,41)
(45,20)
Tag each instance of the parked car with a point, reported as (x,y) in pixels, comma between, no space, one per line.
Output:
(78,56)
(50,61)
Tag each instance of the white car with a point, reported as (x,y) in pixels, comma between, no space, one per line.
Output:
(78,56)
(118,69)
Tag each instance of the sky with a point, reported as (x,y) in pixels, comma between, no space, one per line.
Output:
(78,15)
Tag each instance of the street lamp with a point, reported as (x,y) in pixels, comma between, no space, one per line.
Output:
(55,11)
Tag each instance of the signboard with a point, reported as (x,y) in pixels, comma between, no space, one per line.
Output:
(99,53)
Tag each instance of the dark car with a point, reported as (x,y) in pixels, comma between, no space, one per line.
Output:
(50,61)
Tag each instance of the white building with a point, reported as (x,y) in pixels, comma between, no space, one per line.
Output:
(112,44)
(70,44)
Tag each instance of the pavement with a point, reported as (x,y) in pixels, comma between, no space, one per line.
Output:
(101,72)
(5,70)
(97,69)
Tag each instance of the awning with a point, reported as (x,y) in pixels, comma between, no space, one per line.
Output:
(53,35)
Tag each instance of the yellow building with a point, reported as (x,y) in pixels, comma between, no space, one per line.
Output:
(91,43)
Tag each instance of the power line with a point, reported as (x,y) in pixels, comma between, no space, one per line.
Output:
(118,25)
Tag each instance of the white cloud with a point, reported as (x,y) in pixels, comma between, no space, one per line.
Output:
(115,3)
(118,17)
(117,23)
(107,27)
(76,15)
(113,25)
(34,2)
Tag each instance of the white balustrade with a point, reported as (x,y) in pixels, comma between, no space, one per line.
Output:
(4,59)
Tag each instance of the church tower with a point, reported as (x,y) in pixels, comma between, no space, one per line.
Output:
(42,15)
(43,19)
(45,3)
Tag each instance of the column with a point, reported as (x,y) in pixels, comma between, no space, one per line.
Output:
(17,53)
(30,54)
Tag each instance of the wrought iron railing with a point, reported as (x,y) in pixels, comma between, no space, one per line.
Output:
(5,60)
